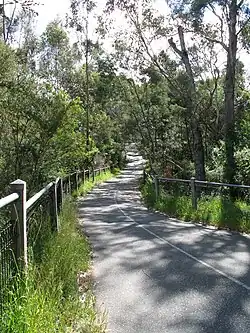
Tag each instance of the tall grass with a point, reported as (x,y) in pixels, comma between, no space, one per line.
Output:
(217,211)
(46,298)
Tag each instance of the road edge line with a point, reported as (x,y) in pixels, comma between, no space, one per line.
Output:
(218,271)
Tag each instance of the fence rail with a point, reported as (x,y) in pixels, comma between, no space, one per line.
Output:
(26,225)
(193,188)
(8,200)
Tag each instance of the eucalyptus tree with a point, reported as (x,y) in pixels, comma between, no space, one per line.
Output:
(56,57)
(81,10)
(159,124)
(137,47)
(198,147)
(31,112)
(10,11)
(233,22)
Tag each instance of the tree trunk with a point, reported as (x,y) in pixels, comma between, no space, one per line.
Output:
(197,144)
(198,154)
(87,77)
(4,22)
(229,91)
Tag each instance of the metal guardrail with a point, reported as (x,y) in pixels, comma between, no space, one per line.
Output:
(205,183)
(193,184)
(174,180)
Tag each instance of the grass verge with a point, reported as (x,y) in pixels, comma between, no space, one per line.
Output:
(88,185)
(215,211)
(55,295)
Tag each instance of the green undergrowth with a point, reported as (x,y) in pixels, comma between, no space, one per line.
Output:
(46,298)
(88,185)
(215,211)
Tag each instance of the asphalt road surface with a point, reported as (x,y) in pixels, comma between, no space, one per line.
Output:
(155,274)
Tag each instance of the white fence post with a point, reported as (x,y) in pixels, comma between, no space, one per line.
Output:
(19,217)
(54,210)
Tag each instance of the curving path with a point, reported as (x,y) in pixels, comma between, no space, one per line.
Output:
(158,275)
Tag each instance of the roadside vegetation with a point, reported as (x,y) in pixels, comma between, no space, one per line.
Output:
(180,92)
(89,184)
(69,103)
(216,211)
(55,295)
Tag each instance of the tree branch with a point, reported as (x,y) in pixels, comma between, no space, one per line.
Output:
(210,39)
(240,4)
(11,22)
(221,21)
(244,25)
(216,41)
(174,47)
(152,57)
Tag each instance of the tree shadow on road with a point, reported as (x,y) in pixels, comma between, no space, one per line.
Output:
(171,291)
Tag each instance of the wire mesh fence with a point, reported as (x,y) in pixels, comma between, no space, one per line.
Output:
(8,265)
(31,224)
(40,225)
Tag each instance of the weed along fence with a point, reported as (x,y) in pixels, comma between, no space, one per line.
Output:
(26,225)
(195,189)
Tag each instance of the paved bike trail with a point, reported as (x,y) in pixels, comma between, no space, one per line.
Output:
(155,274)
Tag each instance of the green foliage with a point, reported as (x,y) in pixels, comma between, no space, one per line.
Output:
(216,211)
(9,65)
(42,114)
(40,133)
(46,298)
(88,185)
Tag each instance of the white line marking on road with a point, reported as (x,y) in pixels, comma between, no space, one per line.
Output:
(182,251)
